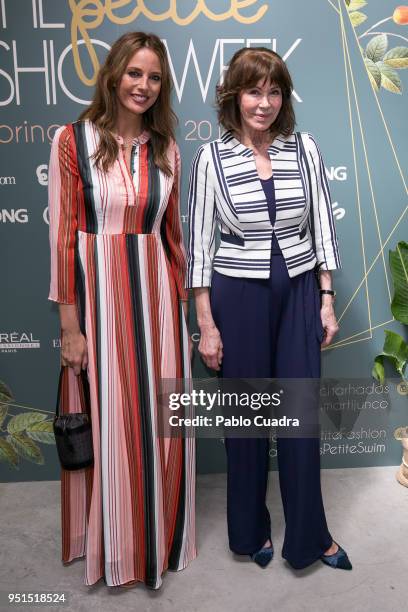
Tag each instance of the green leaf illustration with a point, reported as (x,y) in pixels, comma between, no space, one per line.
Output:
(20,422)
(399,269)
(8,454)
(5,394)
(357,18)
(397,57)
(26,448)
(355,5)
(400,433)
(374,73)
(3,413)
(377,47)
(389,78)
(42,432)
(348,2)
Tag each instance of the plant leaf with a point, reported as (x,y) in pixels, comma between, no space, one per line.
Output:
(377,47)
(378,371)
(42,431)
(399,271)
(5,394)
(20,422)
(389,78)
(8,454)
(355,5)
(26,448)
(396,350)
(374,73)
(397,57)
(3,413)
(357,18)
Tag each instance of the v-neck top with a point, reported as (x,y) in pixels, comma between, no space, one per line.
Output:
(268,186)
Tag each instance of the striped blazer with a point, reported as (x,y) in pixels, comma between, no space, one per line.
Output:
(225,191)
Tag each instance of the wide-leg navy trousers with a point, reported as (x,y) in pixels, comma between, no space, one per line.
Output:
(272,328)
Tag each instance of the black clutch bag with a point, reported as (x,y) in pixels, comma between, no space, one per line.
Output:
(73,432)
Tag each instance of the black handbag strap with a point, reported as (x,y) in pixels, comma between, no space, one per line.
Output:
(83,384)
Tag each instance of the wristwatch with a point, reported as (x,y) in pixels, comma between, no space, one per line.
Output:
(328,292)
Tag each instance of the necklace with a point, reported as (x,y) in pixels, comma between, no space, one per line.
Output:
(129,142)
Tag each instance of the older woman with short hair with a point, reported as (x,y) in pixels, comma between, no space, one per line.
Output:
(260,310)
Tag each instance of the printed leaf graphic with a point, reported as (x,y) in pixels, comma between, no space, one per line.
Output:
(400,433)
(26,448)
(42,432)
(357,18)
(389,78)
(8,454)
(5,394)
(355,5)
(374,73)
(377,47)
(3,413)
(20,422)
(397,57)
(348,2)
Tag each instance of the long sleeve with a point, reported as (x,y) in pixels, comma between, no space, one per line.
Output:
(322,220)
(62,205)
(202,221)
(173,231)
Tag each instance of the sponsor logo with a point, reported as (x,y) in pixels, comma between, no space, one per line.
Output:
(338,173)
(14,216)
(338,212)
(10,342)
(56,343)
(402,388)
(46,216)
(42,174)
(7,180)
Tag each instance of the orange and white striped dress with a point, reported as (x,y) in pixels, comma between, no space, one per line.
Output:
(117,253)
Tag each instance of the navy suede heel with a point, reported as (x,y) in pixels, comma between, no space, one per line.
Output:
(263,556)
(339,560)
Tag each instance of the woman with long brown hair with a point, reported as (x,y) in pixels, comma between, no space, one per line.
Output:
(117,271)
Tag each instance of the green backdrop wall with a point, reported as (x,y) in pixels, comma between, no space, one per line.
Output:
(347,93)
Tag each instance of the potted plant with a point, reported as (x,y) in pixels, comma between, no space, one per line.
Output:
(395,349)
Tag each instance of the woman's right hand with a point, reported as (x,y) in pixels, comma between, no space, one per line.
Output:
(74,351)
(210,347)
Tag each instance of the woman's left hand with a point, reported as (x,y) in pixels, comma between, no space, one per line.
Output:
(329,322)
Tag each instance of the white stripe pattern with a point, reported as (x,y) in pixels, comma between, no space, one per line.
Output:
(225,192)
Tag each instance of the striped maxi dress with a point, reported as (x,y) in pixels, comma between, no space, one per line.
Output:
(117,253)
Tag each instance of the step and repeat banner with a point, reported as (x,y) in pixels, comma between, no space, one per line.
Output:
(346,59)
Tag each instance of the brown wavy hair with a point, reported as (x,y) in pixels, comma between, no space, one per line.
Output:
(246,69)
(159,119)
